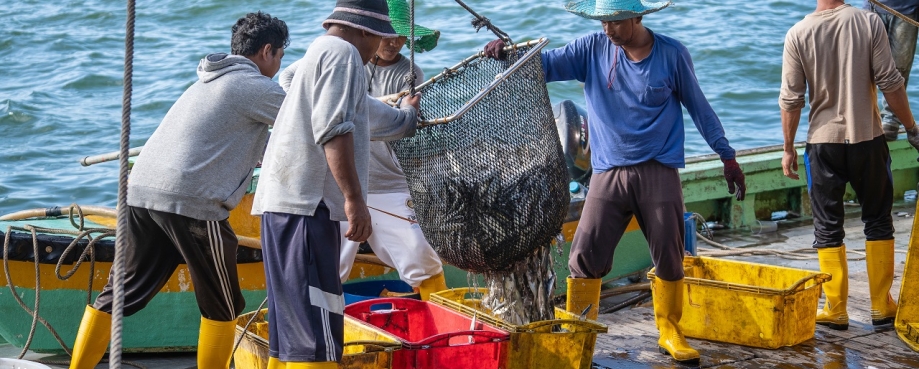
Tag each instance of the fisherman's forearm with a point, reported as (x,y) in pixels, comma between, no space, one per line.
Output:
(339,153)
(790,121)
(899,105)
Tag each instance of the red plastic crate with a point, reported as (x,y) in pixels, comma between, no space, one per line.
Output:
(434,337)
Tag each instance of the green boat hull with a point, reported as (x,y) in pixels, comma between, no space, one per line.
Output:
(168,323)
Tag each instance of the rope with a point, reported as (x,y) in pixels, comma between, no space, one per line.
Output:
(411,48)
(246,327)
(724,250)
(121,229)
(89,251)
(394,215)
(895,13)
(9,282)
(479,21)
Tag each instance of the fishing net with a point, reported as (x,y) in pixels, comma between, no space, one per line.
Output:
(487,173)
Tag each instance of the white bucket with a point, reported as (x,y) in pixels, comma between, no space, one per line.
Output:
(21,364)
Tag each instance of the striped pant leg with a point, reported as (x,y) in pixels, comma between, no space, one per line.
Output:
(209,250)
(150,259)
(301,255)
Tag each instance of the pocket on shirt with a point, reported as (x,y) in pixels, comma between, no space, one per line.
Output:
(655,96)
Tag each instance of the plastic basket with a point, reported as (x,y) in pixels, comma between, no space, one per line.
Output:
(21,364)
(433,336)
(360,291)
(362,350)
(566,342)
(748,304)
(907,321)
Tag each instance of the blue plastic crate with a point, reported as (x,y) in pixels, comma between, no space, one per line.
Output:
(360,291)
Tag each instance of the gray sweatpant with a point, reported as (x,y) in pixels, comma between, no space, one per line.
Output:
(652,193)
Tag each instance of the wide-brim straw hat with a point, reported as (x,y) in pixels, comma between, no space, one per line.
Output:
(614,10)
(368,15)
(400,14)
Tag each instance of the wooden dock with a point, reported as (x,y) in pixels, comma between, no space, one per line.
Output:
(632,339)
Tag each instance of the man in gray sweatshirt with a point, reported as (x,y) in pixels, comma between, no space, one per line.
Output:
(314,175)
(397,239)
(192,171)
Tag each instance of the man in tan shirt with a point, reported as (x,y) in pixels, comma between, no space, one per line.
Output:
(839,55)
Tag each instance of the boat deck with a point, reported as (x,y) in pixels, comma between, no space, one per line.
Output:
(632,339)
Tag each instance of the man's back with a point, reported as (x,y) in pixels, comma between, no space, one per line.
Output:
(839,56)
(198,161)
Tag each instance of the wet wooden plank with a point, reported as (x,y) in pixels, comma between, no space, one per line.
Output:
(632,338)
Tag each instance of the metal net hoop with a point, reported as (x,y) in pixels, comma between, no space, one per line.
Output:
(487,176)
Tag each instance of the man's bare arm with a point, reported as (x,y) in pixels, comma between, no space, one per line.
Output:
(339,153)
(899,105)
(790,121)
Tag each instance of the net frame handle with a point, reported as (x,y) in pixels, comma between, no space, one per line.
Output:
(536,45)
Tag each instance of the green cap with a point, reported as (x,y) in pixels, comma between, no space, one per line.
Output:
(399,14)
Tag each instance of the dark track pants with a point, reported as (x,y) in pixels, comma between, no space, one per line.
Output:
(305,303)
(864,165)
(158,242)
(649,191)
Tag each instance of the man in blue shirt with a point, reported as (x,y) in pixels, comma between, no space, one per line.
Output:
(902,37)
(635,81)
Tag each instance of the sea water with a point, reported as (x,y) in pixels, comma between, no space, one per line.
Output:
(61,67)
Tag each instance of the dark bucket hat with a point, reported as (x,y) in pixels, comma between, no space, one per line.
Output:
(614,10)
(368,15)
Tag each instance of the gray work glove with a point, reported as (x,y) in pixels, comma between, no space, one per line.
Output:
(912,135)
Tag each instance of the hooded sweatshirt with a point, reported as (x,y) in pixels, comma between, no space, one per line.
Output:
(199,161)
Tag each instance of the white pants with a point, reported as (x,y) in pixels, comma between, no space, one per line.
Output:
(397,242)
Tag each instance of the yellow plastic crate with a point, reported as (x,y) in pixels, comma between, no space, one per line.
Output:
(564,343)
(364,348)
(748,304)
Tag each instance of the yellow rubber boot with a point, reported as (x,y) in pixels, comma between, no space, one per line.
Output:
(880,278)
(668,310)
(431,285)
(274,363)
(319,365)
(215,343)
(833,261)
(583,293)
(92,339)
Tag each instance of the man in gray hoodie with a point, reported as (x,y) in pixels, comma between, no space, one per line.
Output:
(192,171)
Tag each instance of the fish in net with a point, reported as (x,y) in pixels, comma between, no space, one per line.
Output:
(487,175)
